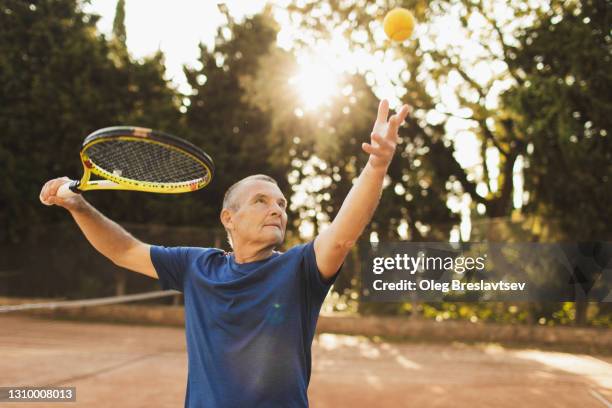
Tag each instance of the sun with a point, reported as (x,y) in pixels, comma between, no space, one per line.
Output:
(315,83)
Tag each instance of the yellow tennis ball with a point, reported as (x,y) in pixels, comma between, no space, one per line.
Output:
(399,24)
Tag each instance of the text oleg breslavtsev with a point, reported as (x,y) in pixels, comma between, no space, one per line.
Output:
(453,285)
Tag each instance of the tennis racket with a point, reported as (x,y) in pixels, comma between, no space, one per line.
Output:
(140,159)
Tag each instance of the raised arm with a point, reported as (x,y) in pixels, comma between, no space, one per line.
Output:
(106,236)
(333,244)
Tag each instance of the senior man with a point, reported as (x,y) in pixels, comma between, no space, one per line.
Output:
(250,315)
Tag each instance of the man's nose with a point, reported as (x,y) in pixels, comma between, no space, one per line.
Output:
(277,209)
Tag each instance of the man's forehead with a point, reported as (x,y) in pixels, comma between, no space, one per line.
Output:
(251,188)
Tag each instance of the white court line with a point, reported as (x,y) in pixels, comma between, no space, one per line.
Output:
(88,302)
(601,399)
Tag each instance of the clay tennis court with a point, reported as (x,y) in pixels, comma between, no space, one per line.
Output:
(145,366)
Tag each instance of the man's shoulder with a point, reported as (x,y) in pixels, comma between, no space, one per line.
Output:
(187,251)
(205,251)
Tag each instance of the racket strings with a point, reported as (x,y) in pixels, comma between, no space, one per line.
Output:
(146,161)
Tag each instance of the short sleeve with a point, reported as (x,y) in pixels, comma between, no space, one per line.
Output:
(171,265)
(317,285)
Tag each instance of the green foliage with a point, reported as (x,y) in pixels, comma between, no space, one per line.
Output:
(119,32)
(52,65)
(558,115)
(564,109)
(62,80)
(231,130)
(543,314)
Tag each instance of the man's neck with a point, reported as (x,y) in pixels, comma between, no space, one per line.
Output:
(246,254)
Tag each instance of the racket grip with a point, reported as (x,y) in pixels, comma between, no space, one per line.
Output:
(68,190)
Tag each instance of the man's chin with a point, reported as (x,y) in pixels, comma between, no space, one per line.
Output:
(279,241)
(276,240)
(272,236)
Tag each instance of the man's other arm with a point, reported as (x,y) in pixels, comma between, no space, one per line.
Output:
(333,244)
(105,235)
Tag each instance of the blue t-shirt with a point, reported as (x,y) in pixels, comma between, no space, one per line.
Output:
(249,327)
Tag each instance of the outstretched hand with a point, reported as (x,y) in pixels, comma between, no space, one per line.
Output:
(384,137)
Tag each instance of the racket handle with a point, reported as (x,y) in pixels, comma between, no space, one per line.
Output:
(68,190)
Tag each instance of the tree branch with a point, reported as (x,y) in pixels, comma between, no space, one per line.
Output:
(449,166)
(489,135)
(505,47)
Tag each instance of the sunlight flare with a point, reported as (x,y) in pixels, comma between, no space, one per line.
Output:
(315,83)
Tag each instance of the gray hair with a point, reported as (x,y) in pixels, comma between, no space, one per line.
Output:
(228,198)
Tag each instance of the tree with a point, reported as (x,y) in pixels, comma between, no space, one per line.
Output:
(451,79)
(454,80)
(563,107)
(62,80)
(119,31)
(58,86)
(219,118)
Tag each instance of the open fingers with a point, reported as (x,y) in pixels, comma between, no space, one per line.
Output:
(382,142)
(383,111)
(371,150)
(403,113)
(396,121)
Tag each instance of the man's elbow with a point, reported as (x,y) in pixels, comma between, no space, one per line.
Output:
(343,245)
(330,245)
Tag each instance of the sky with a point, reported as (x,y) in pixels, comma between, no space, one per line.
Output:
(174,26)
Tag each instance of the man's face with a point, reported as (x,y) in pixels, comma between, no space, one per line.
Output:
(260,214)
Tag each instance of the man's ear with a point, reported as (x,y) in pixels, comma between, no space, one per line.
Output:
(226,218)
